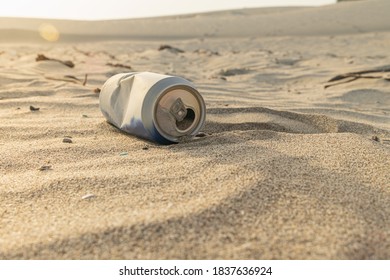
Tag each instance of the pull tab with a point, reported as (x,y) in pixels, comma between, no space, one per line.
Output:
(178,110)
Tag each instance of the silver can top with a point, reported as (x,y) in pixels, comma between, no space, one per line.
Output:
(180,111)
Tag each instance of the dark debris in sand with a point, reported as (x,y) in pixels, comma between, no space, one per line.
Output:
(32,108)
(41,57)
(119,65)
(170,48)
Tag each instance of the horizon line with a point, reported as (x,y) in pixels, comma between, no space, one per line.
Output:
(160,16)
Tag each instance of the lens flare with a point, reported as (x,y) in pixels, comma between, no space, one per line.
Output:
(49,32)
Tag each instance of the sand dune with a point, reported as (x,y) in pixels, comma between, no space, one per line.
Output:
(343,18)
(287,169)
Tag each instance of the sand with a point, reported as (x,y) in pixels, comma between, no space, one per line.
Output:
(287,169)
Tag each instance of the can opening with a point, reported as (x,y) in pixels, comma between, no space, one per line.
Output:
(187,121)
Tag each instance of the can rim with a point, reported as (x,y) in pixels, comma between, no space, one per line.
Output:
(196,126)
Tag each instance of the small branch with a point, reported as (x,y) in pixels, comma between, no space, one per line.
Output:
(72,77)
(83,52)
(41,57)
(170,48)
(85,79)
(111,56)
(69,79)
(351,80)
(119,65)
(75,80)
(359,75)
(382,69)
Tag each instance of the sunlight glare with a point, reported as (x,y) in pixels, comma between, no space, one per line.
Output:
(49,32)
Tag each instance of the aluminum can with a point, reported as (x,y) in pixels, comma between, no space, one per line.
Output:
(164,109)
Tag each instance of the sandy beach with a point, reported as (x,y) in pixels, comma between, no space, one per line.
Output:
(289,165)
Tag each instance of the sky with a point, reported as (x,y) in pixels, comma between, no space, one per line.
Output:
(115,9)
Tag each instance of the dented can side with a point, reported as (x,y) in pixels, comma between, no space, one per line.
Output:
(157,107)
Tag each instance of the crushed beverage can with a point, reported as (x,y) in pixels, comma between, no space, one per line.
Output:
(161,108)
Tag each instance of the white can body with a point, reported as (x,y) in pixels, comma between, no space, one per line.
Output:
(152,106)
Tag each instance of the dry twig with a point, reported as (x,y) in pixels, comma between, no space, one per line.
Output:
(119,65)
(83,52)
(69,79)
(359,75)
(41,57)
(170,48)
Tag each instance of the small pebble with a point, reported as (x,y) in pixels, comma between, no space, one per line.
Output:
(32,108)
(123,154)
(85,116)
(44,167)
(97,90)
(145,148)
(88,196)
(67,140)
(375,138)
